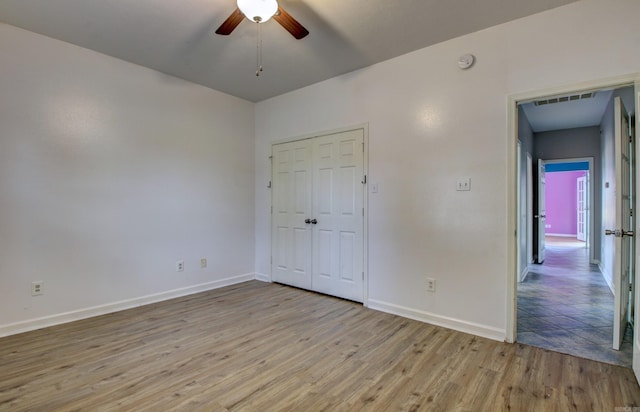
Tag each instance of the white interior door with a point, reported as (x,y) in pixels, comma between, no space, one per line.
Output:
(624,227)
(338,195)
(529,209)
(636,289)
(291,206)
(542,213)
(318,214)
(581,206)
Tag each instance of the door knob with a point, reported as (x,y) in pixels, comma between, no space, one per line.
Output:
(307,221)
(628,233)
(616,233)
(314,221)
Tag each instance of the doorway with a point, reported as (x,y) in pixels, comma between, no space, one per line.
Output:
(564,303)
(553,253)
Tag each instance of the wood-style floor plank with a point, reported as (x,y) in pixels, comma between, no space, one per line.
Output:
(262,347)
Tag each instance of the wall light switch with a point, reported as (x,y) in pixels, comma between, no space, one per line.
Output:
(374,188)
(463,184)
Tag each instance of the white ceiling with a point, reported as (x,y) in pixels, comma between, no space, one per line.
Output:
(177,36)
(577,113)
(568,115)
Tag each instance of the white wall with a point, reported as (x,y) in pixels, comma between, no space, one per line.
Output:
(109,173)
(431,123)
(525,237)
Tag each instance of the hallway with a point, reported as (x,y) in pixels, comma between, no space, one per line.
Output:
(565,305)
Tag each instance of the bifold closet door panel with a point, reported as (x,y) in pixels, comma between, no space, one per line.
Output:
(338,192)
(291,202)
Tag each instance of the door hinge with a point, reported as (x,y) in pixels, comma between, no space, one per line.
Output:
(364,180)
(269,185)
(630,287)
(362,275)
(363,212)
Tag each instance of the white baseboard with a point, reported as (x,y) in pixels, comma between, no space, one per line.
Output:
(608,279)
(59,318)
(263,278)
(446,322)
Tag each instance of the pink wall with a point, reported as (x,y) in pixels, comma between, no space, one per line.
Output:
(561,202)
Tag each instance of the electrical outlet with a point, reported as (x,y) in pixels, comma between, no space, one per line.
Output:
(203,263)
(431,285)
(37,288)
(179,265)
(463,184)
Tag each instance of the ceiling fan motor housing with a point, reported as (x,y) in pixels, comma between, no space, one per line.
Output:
(258,11)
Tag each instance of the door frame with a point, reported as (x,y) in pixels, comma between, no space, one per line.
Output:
(365,201)
(512,138)
(529,233)
(591,223)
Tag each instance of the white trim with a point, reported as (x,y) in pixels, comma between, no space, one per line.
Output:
(263,278)
(512,138)
(306,136)
(608,280)
(524,274)
(59,318)
(477,329)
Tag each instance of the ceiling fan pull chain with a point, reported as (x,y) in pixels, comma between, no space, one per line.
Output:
(259,50)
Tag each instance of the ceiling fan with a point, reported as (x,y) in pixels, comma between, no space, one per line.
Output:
(259,11)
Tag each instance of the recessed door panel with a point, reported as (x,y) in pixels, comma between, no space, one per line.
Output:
(282,245)
(300,192)
(325,252)
(324,187)
(347,255)
(348,190)
(282,192)
(300,252)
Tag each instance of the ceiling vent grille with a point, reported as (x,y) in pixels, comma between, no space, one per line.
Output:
(563,99)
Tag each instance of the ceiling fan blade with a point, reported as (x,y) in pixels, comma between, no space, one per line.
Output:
(290,24)
(230,23)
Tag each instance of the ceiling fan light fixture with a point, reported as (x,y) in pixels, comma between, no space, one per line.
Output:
(258,11)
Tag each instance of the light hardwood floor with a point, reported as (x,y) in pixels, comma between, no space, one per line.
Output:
(264,347)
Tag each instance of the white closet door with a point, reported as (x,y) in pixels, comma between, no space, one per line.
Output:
(338,241)
(291,202)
